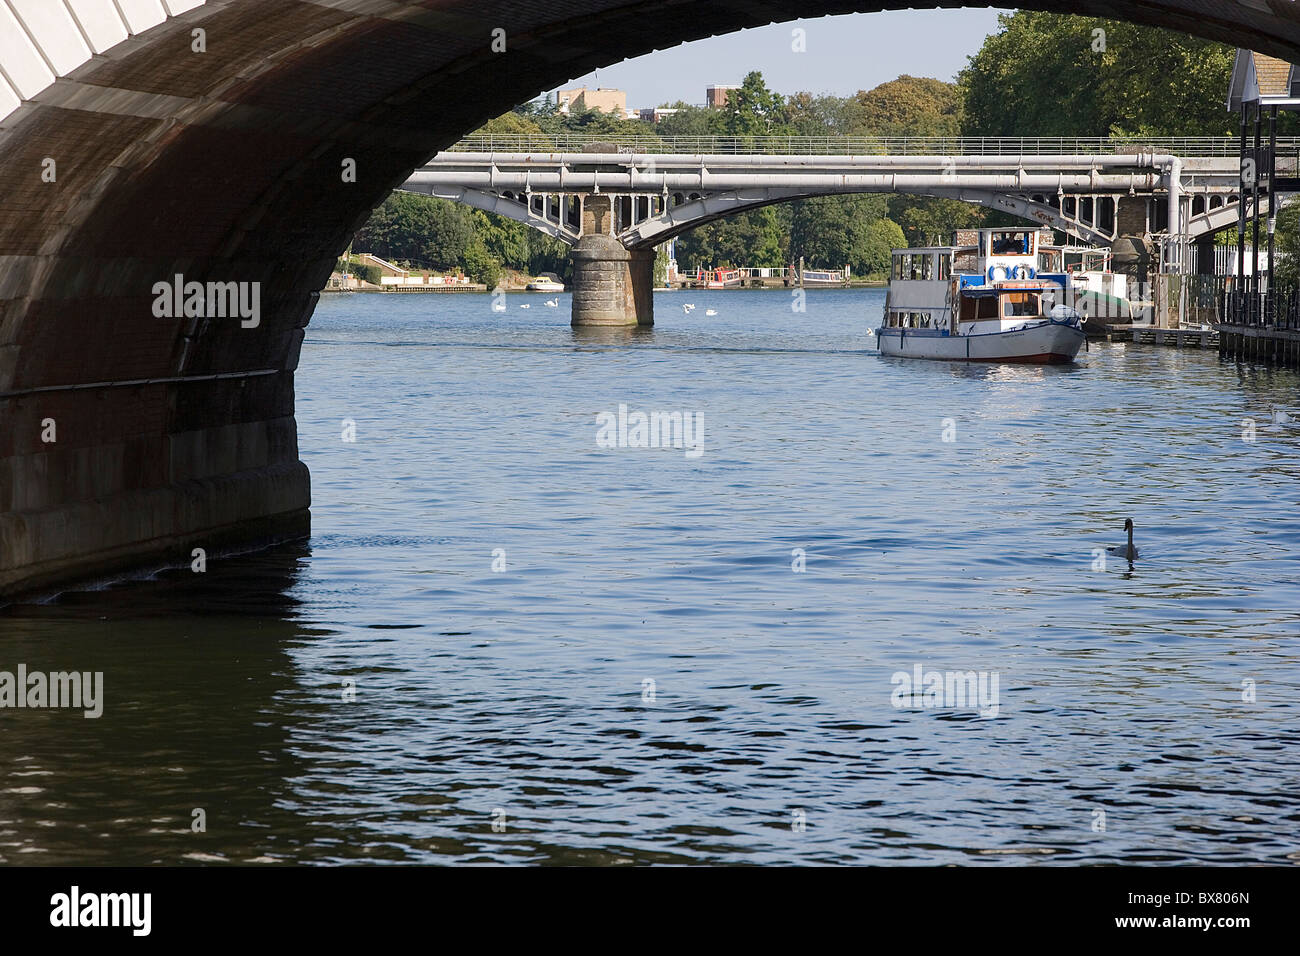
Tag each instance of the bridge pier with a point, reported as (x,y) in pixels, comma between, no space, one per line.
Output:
(612,285)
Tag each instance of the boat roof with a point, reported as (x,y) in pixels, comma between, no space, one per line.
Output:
(1000,288)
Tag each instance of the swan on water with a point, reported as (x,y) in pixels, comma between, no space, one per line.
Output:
(710,311)
(688,308)
(1126,551)
(1279,416)
(552,303)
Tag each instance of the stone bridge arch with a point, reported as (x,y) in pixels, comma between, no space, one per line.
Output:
(134,149)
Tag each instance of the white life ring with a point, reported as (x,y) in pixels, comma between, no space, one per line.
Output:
(998,273)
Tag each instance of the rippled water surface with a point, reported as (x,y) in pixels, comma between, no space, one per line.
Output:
(1124,729)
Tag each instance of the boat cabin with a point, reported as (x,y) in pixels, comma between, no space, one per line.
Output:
(998,282)
(1009,300)
(920,288)
(932,264)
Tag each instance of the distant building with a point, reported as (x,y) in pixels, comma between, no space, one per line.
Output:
(716,96)
(655,115)
(580,99)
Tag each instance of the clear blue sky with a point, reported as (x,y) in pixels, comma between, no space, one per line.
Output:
(844,55)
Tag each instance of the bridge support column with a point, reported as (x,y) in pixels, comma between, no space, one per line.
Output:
(612,286)
(1133,216)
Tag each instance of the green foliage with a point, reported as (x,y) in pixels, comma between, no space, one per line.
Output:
(1052,75)
(660,275)
(825,115)
(1287,270)
(931,222)
(882,238)
(754,110)
(417,228)
(593,123)
(834,231)
(689,121)
(444,236)
(759,237)
(907,106)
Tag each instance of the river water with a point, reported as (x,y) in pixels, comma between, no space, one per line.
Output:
(506,643)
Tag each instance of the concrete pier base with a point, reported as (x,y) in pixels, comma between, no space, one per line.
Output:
(612,286)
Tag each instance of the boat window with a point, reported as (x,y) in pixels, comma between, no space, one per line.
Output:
(1020,304)
(927,267)
(988,308)
(945,267)
(1011,244)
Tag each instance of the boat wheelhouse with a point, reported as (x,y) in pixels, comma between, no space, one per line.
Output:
(1002,310)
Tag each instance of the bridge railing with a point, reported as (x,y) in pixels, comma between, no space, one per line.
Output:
(1181,146)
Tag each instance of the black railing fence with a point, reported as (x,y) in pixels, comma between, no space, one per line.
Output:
(1277,308)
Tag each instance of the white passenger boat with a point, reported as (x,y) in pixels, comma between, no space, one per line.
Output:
(1004,311)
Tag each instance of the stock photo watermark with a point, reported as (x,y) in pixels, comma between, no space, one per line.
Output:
(179,299)
(679,430)
(56,690)
(922,689)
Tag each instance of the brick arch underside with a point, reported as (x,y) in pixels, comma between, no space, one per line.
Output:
(226,166)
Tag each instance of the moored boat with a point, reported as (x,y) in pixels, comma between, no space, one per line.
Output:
(1003,312)
(1109,300)
(545,283)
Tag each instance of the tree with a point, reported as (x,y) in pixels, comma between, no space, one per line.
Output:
(417,228)
(689,121)
(1047,74)
(443,236)
(882,238)
(834,231)
(825,115)
(907,106)
(758,238)
(754,110)
(931,221)
(1287,269)
(517,125)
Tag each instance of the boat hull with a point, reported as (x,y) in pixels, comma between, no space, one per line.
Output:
(1051,343)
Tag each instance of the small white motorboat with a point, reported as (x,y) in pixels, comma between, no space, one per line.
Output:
(545,283)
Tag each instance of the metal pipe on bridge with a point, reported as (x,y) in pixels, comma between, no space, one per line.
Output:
(571,181)
(689,160)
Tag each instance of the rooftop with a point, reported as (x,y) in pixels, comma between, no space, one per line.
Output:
(1263,80)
